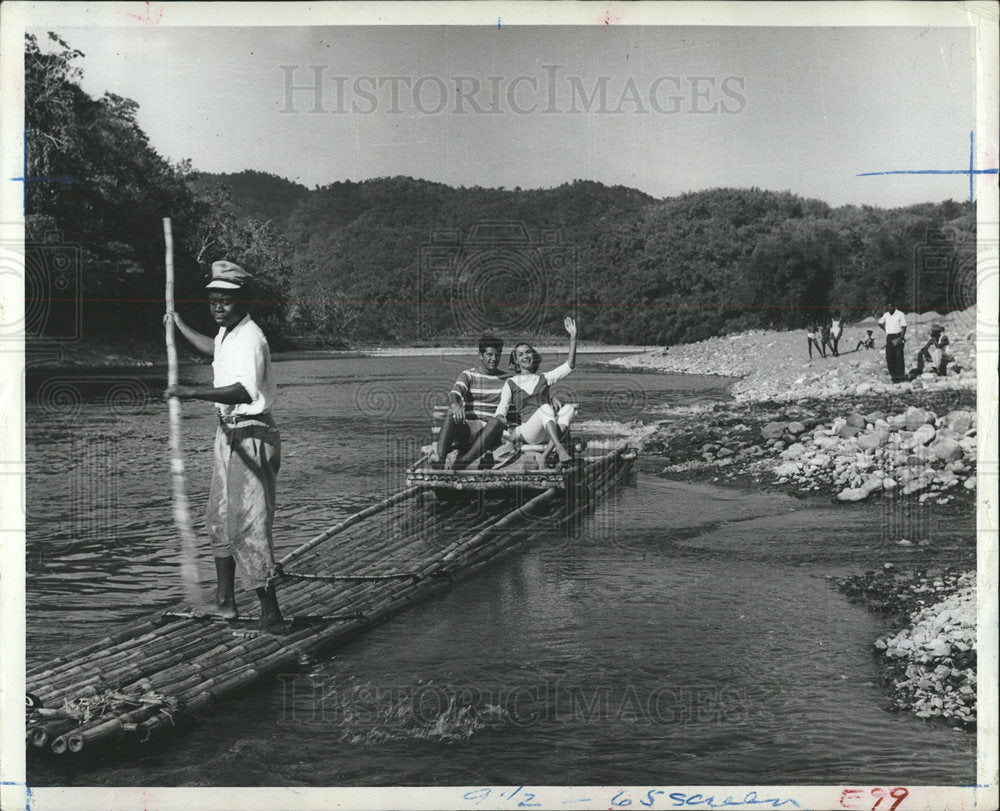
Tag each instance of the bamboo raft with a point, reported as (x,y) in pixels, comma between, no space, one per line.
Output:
(163,675)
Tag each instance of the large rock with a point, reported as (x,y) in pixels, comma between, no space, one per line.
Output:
(773,430)
(921,455)
(959,421)
(947,450)
(863,388)
(924,434)
(849,430)
(853,494)
(856,420)
(796,428)
(874,416)
(793,451)
(870,441)
(915,417)
(786,469)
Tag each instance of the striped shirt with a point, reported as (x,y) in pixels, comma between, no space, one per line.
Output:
(480,392)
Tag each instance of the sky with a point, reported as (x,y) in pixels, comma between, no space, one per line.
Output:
(662,109)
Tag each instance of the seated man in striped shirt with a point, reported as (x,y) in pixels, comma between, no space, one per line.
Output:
(473,399)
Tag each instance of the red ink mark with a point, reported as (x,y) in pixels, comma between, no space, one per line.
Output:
(849,793)
(147,18)
(899,793)
(855,797)
(610,19)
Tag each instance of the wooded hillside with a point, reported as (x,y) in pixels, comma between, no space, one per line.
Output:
(403,259)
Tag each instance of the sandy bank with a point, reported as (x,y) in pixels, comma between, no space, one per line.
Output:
(775,366)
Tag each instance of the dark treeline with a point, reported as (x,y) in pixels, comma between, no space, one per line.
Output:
(404,259)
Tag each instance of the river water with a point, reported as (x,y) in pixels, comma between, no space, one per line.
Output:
(686,634)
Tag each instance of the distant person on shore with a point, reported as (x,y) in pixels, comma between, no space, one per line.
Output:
(836,330)
(824,336)
(247,444)
(469,424)
(868,342)
(928,352)
(893,323)
(812,338)
(934,353)
(529,392)
(941,360)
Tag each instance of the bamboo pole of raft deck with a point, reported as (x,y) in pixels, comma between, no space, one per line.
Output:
(112,669)
(182,515)
(402,495)
(93,659)
(126,635)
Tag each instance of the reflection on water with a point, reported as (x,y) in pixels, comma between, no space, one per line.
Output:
(685,635)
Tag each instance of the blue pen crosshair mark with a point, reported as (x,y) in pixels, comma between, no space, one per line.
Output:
(972,171)
(27,792)
(42,179)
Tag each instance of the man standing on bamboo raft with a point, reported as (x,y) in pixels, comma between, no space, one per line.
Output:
(247,443)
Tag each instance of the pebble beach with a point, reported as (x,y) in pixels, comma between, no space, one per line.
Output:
(837,429)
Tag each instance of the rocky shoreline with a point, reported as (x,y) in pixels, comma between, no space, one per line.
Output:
(836,428)
(930,661)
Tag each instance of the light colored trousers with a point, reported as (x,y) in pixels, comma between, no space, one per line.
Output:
(533,431)
(241,501)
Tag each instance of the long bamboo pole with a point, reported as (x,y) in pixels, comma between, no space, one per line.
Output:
(182,515)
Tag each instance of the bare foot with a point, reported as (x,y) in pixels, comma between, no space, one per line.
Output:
(271,620)
(227,608)
(273,625)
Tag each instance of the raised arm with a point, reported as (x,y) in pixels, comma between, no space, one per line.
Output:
(570,325)
(202,343)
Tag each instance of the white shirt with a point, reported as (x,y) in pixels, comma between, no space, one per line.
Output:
(527,381)
(893,322)
(243,356)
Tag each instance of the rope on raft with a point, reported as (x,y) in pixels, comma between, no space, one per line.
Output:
(282,574)
(296,620)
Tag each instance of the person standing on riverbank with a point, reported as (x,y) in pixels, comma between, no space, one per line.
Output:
(836,330)
(247,444)
(812,338)
(893,323)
